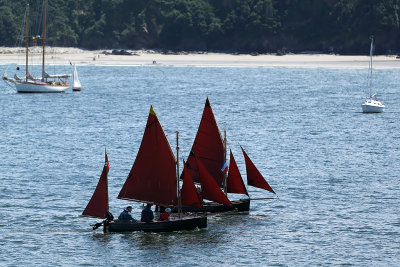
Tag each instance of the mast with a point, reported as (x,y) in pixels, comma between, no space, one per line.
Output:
(225,175)
(370,65)
(44,38)
(370,55)
(27,43)
(177,175)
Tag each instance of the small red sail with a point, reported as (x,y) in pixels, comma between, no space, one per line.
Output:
(208,147)
(254,177)
(209,188)
(234,181)
(153,175)
(98,204)
(189,195)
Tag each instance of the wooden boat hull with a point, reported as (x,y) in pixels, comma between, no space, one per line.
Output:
(240,205)
(186,223)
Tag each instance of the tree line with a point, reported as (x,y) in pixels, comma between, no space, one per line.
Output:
(262,26)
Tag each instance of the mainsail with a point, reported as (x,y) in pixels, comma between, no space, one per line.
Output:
(98,204)
(234,181)
(77,84)
(254,177)
(207,147)
(209,188)
(153,175)
(189,195)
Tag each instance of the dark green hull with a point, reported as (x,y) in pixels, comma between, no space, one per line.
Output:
(241,205)
(186,223)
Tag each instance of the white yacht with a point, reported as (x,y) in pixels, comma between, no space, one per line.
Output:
(46,83)
(372,104)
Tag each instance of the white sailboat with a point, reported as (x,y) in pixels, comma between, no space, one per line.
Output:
(372,104)
(47,83)
(77,86)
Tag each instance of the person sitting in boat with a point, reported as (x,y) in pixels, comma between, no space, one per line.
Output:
(147,214)
(165,215)
(126,215)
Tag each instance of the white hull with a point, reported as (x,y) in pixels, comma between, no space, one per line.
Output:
(373,106)
(40,88)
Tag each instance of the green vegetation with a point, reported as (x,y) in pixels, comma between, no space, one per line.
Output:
(339,26)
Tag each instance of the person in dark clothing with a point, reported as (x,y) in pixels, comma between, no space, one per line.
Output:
(147,214)
(126,215)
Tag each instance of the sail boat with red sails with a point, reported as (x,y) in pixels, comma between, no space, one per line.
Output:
(208,155)
(153,179)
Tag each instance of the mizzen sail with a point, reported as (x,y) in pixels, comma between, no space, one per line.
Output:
(234,181)
(254,177)
(153,175)
(98,204)
(208,147)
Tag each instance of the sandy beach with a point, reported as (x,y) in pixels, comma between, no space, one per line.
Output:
(62,56)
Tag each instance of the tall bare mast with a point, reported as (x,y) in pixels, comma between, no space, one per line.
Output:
(177,175)
(225,175)
(27,43)
(44,38)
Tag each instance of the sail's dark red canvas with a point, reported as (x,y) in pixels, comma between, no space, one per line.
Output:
(254,177)
(98,204)
(189,195)
(209,188)
(208,147)
(234,181)
(153,174)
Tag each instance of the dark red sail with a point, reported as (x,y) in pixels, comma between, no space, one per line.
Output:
(189,195)
(208,147)
(254,177)
(209,188)
(153,175)
(98,204)
(234,181)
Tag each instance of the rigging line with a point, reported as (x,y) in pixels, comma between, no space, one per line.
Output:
(40,21)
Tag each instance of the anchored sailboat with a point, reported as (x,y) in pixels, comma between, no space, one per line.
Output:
(46,83)
(153,179)
(206,158)
(372,104)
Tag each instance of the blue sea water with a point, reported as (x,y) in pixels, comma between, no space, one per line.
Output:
(336,170)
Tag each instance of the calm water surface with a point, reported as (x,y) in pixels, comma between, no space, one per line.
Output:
(335,170)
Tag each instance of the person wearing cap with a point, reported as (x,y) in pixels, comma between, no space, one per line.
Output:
(165,215)
(126,215)
(147,214)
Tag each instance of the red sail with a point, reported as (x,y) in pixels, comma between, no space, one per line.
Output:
(208,147)
(98,204)
(153,175)
(254,177)
(234,181)
(189,195)
(209,188)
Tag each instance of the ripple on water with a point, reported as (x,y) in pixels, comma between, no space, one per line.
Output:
(334,169)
